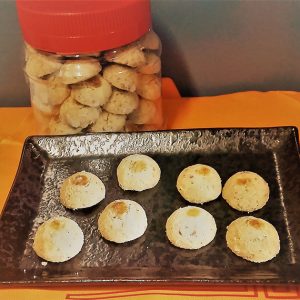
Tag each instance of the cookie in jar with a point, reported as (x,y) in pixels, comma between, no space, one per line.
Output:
(107,79)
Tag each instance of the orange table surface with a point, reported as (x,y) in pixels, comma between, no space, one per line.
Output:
(244,109)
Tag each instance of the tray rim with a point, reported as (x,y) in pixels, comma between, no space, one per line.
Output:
(293,128)
(141,281)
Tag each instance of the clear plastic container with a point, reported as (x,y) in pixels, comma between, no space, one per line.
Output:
(108,90)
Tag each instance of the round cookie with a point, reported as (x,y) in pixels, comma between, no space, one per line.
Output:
(108,122)
(191,227)
(45,109)
(122,221)
(39,65)
(199,184)
(81,190)
(122,102)
(246,191)
(144,114)
(94,92)
(73,71)
(78,115)
(152,65)
(121,77)
(138,172)
(148,86)
(49,92)
(58,239)
(57,91)
(253,239)
(131,55)
(150,41)
(57,127)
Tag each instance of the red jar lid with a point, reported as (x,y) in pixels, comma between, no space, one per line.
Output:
(82,26)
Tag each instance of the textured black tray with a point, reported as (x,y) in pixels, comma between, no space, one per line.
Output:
(46,161)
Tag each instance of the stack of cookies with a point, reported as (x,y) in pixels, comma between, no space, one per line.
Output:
(116,90)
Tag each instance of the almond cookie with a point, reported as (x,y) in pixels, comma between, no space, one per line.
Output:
(191,227)
(50,91)
(199,184)
(152,65)
(122,102)
(56,90)
(78,115)
(150,41)
(94,92)
(122,221)
(108,122)
(81,190)
(58,127)
(39,65)
(44,109)
(149,86)
(39,96)
(144,114)
(121,77)
(246,191)
(253,239)
(73,71)
(131,55)
(138,172)
(58,239)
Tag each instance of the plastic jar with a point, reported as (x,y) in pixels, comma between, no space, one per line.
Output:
(92,66)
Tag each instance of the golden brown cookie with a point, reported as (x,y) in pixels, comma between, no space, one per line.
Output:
(39,64)
(73,71)
(138,172)
(122,221)
(152,64)
(58,239)
(191,227)
(81,190)
(145,113)
(150,41)
(108,122)
(48,92)
(122,102)
(131,55)
(253,239)
(121,77)
(58,127)
(149,86)
(199,184)
(94,92)
(78,115)
(246,191)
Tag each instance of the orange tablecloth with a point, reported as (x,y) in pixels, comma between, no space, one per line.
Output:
(246,109)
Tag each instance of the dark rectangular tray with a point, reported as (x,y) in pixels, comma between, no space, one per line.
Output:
(46,161)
